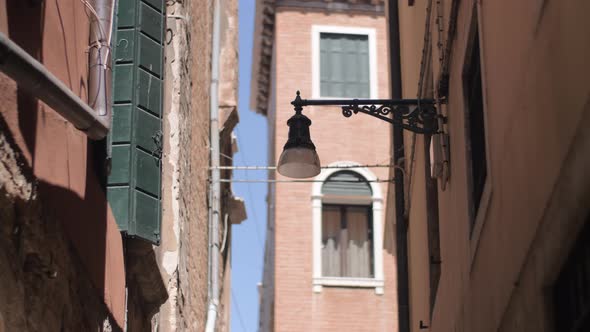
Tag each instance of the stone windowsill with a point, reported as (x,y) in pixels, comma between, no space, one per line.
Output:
(318,283)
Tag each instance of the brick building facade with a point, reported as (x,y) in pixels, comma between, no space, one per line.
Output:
(299,292)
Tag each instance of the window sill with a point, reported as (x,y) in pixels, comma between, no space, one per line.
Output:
(318,283)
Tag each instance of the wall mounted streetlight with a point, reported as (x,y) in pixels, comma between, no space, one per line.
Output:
(300,159)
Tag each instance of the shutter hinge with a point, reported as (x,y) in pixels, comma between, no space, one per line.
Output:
(157,152)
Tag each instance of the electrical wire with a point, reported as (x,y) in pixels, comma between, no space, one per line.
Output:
(264,168)
(225,232)
(101,41)
(103,35)
(93,11)
(233,296)
(301,181)
(250,196)
(426,47)
(225,156)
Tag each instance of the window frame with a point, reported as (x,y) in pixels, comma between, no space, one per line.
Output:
(343,30)
(476,218)
(344,210)
(375,202)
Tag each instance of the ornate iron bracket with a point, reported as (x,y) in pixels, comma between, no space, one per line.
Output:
(418,116)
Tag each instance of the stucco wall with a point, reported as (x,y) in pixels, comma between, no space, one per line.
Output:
(360,139)
(70,225)
(45,286)
(70,192)
(535,101)
(412,23)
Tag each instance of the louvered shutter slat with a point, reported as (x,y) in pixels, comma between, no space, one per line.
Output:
(344,65)
(134,185)
(346,183)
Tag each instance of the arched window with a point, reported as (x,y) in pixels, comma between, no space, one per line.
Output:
(347,227)
(347,249)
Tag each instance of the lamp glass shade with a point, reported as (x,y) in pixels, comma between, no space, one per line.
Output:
(299,163)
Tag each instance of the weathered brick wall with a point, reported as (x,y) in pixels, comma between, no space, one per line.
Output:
(183,254)
(193,174)
(360,139)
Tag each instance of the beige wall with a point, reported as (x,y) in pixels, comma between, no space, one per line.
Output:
(361,139)
(411,22)
(535,103)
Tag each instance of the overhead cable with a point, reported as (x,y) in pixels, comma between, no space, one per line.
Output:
(250,196)
(301,181)
(261,168)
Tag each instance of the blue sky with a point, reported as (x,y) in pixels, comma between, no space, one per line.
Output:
(248,238)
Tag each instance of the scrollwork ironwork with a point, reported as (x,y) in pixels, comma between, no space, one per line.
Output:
(421,119)
(418,116)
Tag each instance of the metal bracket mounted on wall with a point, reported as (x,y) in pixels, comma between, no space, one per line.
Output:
(416,115)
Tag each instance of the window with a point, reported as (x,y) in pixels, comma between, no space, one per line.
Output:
(347,230)
(432,219)
(571,292)
(476,125)
(431,189)
(346,241)
(344,65)
(344,62)
(133,186)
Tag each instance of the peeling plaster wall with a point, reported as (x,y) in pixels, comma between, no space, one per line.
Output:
(183,253)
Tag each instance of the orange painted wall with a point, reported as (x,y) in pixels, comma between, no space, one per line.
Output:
(60,156)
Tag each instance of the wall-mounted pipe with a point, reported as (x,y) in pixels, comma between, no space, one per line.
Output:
(99,57)
(401,223)
(215,187)
(32,76)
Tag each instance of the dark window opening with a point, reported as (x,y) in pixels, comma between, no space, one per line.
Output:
(571,292)
(475,115)
(432,226)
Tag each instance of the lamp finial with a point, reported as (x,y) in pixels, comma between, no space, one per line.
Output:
(298,103)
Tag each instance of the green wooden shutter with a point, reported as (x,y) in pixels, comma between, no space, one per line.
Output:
(346,183)
(344,65)
(133,186)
